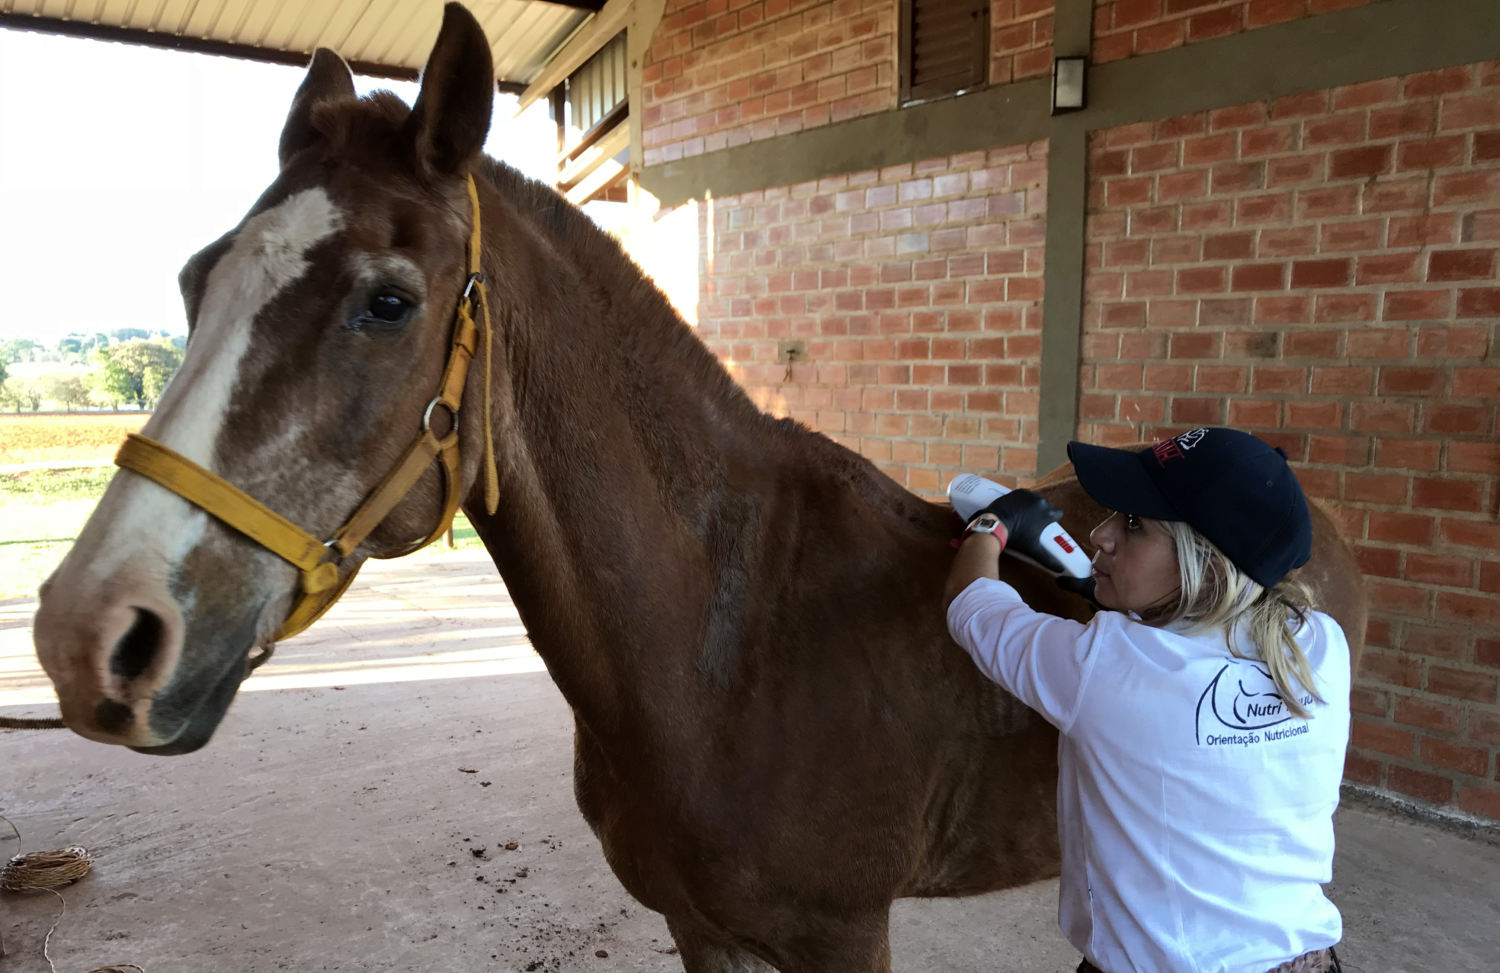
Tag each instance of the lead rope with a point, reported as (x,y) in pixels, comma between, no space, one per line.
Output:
(48,871)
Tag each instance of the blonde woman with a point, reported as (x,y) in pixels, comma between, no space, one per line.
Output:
(1204,713)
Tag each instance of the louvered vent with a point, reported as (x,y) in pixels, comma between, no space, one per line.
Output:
(944,47)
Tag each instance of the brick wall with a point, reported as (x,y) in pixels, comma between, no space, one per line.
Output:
(917,290)
(1020,39)
(721,73)
(1123,28)
(1322,270)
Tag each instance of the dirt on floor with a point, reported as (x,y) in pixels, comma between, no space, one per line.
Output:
(392,792)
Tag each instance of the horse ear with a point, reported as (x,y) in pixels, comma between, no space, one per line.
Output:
(328,79)
(451,118)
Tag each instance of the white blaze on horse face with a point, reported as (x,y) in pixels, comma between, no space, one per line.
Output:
(268,255)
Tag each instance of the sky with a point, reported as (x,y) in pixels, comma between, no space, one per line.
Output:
(117,163)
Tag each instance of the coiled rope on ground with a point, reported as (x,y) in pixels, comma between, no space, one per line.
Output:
(48,871)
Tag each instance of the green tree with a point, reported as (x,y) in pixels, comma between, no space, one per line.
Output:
(3,373)
(135,371)
(66,389)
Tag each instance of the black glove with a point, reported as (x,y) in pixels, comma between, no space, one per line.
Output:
(1024,515)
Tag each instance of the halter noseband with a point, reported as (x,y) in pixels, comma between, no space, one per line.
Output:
(321,582)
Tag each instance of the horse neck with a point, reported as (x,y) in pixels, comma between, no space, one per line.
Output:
(633,471)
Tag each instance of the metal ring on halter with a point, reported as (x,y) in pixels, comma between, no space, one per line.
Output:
(427,415)
(474,278)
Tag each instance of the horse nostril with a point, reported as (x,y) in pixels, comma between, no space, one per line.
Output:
(136,649)
(113,717)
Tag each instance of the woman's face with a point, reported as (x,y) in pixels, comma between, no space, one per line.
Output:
(1136,564)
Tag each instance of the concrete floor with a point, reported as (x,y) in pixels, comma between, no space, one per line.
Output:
(352,813)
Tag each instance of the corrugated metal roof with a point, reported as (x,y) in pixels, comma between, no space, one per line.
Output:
(390,37)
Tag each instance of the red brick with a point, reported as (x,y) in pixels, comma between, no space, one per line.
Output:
(1237,116)
(1258,277)
(1361,769)
(1321,273)
(1434,714)
(1400,528)
(1387,268)
(1448,494)
(1461,264)
(1480,799)
(1344,307)
(1412,118)
(1255,413)
(1364,162)
(1209,149)
(1380,562)
(1478,302)
(1476,382)
(1384,739)
(1470,111)
(1388,488)
(1378,343)
(1452,342)
(1314,415)
(1432,153)
(1350,235)
(1420,784)
(1474,186)
(1201,280)
(1272,380)
(1407,454)
(1460,420)
(1228,246)
(1282,310)
(1420,231)
(1416,305)
(1481,458)
(1342,380)
(1216,23)
(1433,569)
(1391,669)
(1382,417)
(1440,82)
(1480,687)
(1198,412)
(1411,380)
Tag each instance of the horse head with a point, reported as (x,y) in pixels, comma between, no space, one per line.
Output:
(320,351)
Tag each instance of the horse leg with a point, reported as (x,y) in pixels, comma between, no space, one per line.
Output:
(704,953)
(861,945)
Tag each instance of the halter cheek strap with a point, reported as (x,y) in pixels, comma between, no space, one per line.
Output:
(322,581)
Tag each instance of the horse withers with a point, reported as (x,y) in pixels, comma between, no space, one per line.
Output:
(775,736)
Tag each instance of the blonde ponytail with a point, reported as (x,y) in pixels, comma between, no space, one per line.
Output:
(1217,596)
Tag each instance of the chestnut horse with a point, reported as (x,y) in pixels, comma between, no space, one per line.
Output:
(775,736)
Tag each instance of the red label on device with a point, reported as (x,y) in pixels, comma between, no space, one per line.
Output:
(1062,542)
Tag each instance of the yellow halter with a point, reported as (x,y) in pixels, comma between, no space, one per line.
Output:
(319,560)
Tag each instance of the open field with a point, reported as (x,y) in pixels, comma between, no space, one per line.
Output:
(42,510)
(75,437)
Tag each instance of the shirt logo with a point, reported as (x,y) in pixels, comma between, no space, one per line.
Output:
(1241,699)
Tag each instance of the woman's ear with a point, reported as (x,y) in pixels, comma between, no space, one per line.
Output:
(451,118)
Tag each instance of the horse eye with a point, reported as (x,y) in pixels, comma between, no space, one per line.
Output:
(384,312)
(388,308)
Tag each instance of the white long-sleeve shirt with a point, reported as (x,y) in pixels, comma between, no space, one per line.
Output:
(1195,812)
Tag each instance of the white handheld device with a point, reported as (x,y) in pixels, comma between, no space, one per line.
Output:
(970,494)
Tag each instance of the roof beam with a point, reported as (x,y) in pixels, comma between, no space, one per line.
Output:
(594,34)
(592,6)
(202,45)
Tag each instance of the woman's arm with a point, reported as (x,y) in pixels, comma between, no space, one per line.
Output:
(978,557)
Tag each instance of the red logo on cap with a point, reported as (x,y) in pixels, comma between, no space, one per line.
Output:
(1062,542)
(1164,451)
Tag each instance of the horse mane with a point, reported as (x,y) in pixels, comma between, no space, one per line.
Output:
(650,330)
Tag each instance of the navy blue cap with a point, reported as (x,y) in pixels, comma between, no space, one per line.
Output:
(1233,488)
